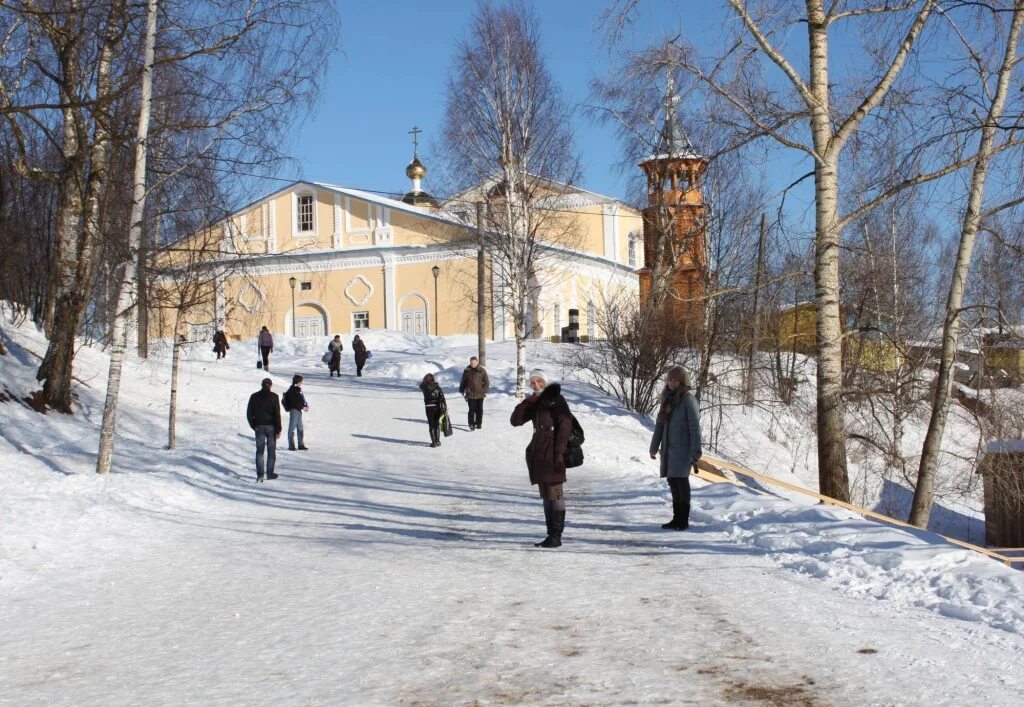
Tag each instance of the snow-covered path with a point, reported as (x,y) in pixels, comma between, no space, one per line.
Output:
(379,571)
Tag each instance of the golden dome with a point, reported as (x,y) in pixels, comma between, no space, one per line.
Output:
(415,170)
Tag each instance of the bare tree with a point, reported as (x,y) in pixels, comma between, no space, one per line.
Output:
(125,296)
(506,132)
(991,125)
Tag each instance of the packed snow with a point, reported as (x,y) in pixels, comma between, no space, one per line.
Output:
(377,570)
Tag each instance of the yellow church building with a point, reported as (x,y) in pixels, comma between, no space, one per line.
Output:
(315,259)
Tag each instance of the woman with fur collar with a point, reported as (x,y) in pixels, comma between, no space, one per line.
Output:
(545,454)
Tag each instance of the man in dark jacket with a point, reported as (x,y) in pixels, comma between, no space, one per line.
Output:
(474,387)
(295,403)
(264,416)
(545,455)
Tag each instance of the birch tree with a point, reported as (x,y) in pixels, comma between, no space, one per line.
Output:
(125,296)
(996,87)
(507,129)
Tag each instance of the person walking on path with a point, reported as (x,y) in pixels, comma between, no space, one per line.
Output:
(264,416)
(334,349)
(545,454)
(677,437)
(295,403)
(220,344)
(474,387)
(266,343)
(434,402)
(360,351)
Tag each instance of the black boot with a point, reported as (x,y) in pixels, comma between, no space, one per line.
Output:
(548,511)
(434,441)
(680,517)
(554,538)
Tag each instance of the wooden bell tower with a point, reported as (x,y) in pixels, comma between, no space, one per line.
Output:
(675,244)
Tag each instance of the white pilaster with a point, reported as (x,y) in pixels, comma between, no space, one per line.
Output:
(610,228)
(390,306)
(272,227)
(336,233)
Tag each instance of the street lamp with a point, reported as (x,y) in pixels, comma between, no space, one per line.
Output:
(435,271)
(292,281)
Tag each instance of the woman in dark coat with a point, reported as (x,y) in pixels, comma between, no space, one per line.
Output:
(334,348)
(677,437)
(220,344)
(433,401)
(545,454)
(360,350)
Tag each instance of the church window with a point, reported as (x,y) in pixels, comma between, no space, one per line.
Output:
(360,320)
(558,319)
(632,250)
(306,286)
(305,222)
(591,321)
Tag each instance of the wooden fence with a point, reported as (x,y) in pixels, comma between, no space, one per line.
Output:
(718,470)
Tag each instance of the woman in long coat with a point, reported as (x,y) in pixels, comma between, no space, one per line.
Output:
(334,349)
(545,454)
(677,438)
(360,351)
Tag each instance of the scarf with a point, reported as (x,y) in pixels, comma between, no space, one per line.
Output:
(668,404)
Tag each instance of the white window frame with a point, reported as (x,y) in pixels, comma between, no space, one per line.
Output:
(631,252)
(297,198)
(356,320)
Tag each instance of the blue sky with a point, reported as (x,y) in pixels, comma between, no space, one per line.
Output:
(389,74)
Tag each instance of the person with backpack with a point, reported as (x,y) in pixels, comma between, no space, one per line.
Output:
(334,348)
(474,387)
(677,438)
(266,344)
(434,402)
(264,417)
(546,452)
(295,403)
(359,348)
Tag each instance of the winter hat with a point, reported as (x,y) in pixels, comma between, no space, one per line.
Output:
(537,373)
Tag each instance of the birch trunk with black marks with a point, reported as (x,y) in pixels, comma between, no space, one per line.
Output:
(925,488)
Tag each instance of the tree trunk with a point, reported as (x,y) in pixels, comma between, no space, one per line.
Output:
(924,491)
(128,279)
(831,423)
(481,310)
(76,266)
(172,411)
(755,336)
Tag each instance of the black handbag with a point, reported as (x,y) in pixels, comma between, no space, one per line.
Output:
(573,456)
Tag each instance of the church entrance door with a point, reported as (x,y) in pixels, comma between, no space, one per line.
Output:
(414,315)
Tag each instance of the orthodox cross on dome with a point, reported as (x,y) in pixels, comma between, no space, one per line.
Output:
(415,132)
(673,142)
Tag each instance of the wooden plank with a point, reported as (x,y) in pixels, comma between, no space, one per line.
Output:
(742,471)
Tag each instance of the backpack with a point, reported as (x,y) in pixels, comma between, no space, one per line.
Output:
(284,402)
(574,447)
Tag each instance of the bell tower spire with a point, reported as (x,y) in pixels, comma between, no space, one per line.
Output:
(675,257)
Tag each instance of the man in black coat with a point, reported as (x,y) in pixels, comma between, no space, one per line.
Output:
(264,416)
(474,387)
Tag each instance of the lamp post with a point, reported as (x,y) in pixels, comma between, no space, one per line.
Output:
(292,281)
(435,271)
